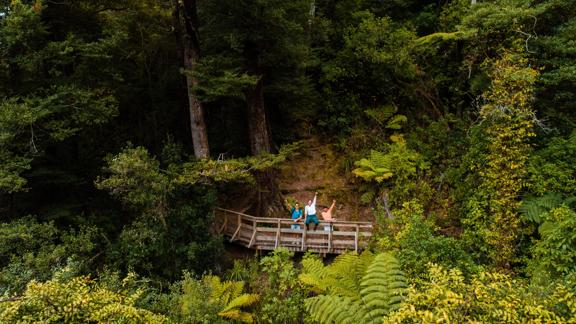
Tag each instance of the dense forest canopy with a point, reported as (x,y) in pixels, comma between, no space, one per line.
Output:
(124,123)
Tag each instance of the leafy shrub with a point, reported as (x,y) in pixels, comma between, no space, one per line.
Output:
(416,243)
(211,300)
(282,292)
(79,300)
(488,298)
(31,250)
(554,254)
(552,169)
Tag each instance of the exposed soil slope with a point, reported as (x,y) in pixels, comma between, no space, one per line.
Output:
(315,167)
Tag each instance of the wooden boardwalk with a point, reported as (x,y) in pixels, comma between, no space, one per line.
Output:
(262,233)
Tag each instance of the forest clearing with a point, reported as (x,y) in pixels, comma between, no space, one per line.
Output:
(273,161)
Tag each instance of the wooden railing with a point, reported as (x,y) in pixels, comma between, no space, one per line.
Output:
(269,233)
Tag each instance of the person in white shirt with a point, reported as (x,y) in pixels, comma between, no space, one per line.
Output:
(310,213)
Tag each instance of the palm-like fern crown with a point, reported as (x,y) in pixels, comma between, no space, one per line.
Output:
(354,289)
(398,160)
(228,295)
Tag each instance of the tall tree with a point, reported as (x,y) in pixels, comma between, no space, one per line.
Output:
(185,16)
(266,40)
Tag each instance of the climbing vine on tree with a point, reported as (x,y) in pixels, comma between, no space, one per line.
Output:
(509,125)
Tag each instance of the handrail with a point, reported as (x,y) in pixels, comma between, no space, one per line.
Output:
(284,220)
(264,233)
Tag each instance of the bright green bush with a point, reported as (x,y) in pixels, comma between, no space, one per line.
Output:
(554,254)
(488,298)
(79,300)
(282,293)
(417,244)
(31,250)
(552,168)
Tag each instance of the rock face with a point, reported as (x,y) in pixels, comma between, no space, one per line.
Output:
(316,167)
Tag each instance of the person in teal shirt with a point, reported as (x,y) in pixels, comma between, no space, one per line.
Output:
(296,213)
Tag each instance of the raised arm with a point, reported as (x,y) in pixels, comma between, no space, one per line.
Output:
(287,204)
(333,204)
(314,200)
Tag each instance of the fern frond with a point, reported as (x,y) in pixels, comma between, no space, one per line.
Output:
(216,288)
(333,309)
(244,300)
(533,208)
(396,122)
(382,113)
(315,266)
(347,272)
(359,288)
(314,274)
(570,201)
(237,315)
(383,283)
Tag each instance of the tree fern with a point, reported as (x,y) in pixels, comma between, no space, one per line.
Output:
(533,208)
(230,299)
(396,122)
(381,114)
(398,160)
(342,277)
(377,167)
(232,310)
(355,288)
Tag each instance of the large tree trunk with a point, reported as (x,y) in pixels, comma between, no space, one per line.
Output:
(197,123)
(257,120)
(268,194)
(189,51)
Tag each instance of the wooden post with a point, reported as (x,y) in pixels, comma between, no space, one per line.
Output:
(278,235)
(356,238)
(254,227)
(330,238)
(224,224)
(303,245)
(238,229)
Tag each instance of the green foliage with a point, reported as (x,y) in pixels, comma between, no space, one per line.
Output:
(377,40)
(554,254)
(354,288)
(398,160)
(488,297)
(136,179)
(489,154)
(80,299)
(533,208)
(385,117)
(215,84)
(510,122)
(30,250)
(551,169)
(282,293)
(44,97)
(417,244)
(169,232)
(210,300)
